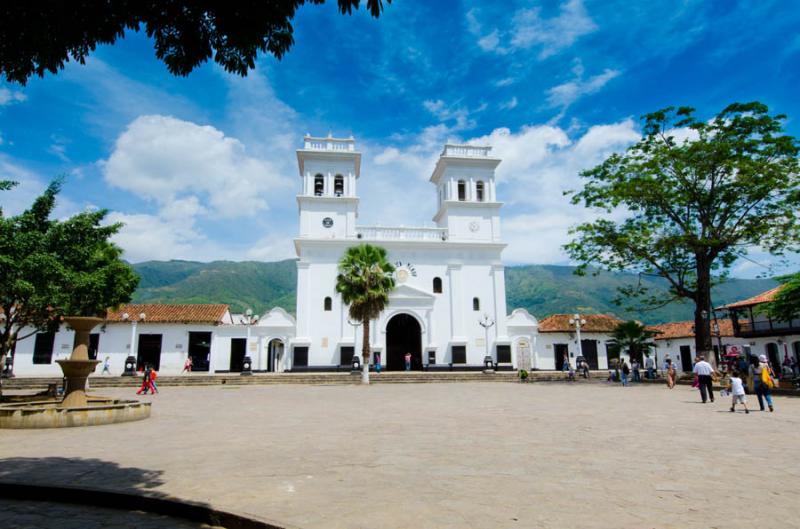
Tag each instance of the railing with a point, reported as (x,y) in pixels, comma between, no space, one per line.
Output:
(469,151)
(766,327)
(380,233)
(329,144)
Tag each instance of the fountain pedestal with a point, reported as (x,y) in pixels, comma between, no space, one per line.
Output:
(78,368)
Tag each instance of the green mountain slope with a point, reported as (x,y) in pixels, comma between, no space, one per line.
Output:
(541,289)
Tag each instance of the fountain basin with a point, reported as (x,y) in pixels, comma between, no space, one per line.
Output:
(52,414)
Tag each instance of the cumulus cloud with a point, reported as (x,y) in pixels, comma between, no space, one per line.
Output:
(164,159)
(8,96)
(529,29)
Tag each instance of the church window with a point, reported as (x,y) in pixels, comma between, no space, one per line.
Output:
(328,303)
(476,304)
(462,190)
(437,285)
(479,191)
(319,185)
(338,185)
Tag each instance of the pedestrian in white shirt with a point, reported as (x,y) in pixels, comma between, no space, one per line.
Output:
(737,392)
(703,370)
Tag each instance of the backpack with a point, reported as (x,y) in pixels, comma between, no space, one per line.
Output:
(765,378)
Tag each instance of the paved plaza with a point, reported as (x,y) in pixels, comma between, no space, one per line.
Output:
(472,455)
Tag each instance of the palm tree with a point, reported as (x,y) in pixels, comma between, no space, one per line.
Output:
(364,281)
(633,337)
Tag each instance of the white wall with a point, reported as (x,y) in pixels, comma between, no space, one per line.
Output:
(547,341)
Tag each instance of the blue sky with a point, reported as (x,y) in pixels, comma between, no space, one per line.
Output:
(203,167)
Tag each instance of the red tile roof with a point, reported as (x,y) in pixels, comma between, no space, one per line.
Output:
(764,297)
(594,323)
(163,313)
(685,329)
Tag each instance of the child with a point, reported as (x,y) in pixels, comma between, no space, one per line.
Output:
(737,392)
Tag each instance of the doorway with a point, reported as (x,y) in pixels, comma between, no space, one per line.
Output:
(686,358)
(403,335)
(149,351)
(274,355)
(560,351)
(774,356)
(200,350)
(589,350)
(238,350)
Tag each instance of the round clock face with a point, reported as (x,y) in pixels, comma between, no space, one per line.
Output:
(474,226)
(401,275)
(327,222)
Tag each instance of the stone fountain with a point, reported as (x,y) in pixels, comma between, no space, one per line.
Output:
(76,409)
(78,368)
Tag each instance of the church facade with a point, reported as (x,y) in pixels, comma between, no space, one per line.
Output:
(449,305)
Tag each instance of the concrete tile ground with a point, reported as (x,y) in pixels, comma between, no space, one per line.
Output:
(466,455)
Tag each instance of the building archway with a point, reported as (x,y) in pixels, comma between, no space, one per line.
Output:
(403,335)
(274,355)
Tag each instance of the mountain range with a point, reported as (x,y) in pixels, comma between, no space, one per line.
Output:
(541,289)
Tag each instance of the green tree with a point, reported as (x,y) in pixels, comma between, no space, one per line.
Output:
(36,37)
(632,337)
(786,305)
(690,208)
(364,281)
(51,268)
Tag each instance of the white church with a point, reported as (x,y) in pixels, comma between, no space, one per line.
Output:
(448,309)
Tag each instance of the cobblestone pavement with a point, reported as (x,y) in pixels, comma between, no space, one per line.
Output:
(483,456)
(17,514)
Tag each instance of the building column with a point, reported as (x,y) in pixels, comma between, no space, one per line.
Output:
(303,301)
(456,305)
(498,286)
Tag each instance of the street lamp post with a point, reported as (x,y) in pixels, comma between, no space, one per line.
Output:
(486,322)
(134,323)
(250,320)
(577,321)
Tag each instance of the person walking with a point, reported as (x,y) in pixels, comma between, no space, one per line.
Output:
(624,372)
(106,366)
(187,365)
(737,391)
(703,370)
(408,361)
(795,367)
(669,367)
(145,380)
(763,382)
(585,369)
(649,366)
(635,369)
(377,363)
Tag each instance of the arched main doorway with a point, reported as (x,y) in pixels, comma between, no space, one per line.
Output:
(403,335)
(274,355)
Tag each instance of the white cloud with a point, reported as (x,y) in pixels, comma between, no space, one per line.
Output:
(566,94)
(8,97)
(506,81)
(511,103)
(165,159)
(30,185)
(530,30)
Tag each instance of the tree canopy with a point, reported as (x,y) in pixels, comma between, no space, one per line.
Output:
(786,305)
(689,199)
(633,337)
(37,37)
(365,279)
(52,268)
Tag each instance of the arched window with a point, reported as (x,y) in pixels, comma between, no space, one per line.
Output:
(319,185)
(328,303)
(338,185)
(462,190)
(476,304)
(437,285)
(479,191)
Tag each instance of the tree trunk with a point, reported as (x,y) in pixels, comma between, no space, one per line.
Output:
(365,353)
(702,312)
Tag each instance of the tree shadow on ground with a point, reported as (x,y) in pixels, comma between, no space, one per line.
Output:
(79,472)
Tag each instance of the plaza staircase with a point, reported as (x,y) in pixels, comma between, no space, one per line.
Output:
(235,379)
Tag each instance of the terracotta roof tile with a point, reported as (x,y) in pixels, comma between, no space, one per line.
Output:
(764,297)
(594,323)
(164,313)
(685,329)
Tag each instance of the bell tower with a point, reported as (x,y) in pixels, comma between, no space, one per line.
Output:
(328,204)
(465,182)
